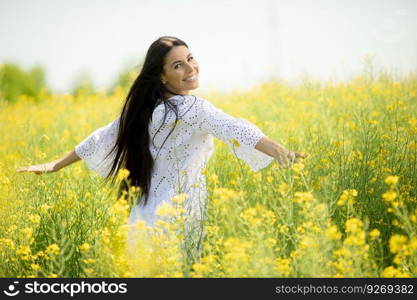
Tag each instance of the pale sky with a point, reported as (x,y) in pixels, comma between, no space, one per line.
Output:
(237,43)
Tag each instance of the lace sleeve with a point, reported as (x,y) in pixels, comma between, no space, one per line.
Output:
(96,146)
(239,134)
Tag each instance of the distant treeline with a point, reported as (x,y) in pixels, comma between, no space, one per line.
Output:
(16,82)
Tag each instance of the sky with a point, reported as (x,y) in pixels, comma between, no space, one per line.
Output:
(237,43)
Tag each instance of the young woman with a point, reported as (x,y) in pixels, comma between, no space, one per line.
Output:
(164,137)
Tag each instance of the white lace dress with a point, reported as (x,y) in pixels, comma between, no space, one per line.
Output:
(184,155)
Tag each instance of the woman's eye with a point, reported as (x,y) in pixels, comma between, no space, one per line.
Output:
(191,57)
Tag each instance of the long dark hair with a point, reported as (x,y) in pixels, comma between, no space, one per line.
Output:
(132,144)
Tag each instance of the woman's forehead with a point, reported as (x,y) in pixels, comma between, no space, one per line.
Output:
(177,52)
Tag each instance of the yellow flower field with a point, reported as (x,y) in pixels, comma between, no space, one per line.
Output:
(348,210)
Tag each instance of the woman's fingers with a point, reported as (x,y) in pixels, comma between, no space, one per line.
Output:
(301,154)
(292,156)
(286,160)
(35,169)
(280,162)
(21,169)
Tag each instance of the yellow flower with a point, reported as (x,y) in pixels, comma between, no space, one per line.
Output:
(12,228)
(84,247)
(332,233)
(374,234)
(353,225)
(342,252)
(391,180)
(413,244)
(397,242)
(283,228)
(122,174)
(179,199)
(357,239)
(134,189)
(236,251)
(35,267)
(235,143)
(45,207)
(270,242)
(199,270)
(7,242)
(223,195)
(392,272)
(283,188)
(89,260)
(212,230)
(27,231)
(389,196)
(40,254)
(347,195)
(283,266)
(52,249)
(36,219)
(306,242)
(258,215)
(44,136)
(250,216)
(300,197)
(342,199)
(214,178)
(298,167)
(166,209)
(319,209)
(23,250)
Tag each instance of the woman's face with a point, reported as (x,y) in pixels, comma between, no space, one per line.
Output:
(180,71)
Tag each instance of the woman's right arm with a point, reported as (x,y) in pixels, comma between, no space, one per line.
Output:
(93,150)
(66,160)
(52,166)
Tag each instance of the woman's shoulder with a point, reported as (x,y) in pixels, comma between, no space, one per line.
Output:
(180,100)
(189,106)
(187,99)
(188,102)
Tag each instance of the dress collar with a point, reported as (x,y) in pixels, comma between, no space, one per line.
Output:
(174,99)
(177,97)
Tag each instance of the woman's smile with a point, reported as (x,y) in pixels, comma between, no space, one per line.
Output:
(192,78)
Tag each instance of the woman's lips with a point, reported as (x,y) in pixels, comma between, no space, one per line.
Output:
(191,78)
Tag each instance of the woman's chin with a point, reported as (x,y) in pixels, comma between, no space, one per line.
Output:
(194,86)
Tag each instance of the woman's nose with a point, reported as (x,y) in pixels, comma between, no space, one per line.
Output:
(190,68)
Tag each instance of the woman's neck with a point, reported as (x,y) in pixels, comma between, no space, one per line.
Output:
(169,95)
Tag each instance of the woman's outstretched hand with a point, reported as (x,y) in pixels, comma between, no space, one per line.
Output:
(39,169)
(285,157)
(282,155)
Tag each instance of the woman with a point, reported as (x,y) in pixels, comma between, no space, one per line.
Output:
(164,137)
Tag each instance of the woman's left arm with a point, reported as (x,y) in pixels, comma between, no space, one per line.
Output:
(244,138)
